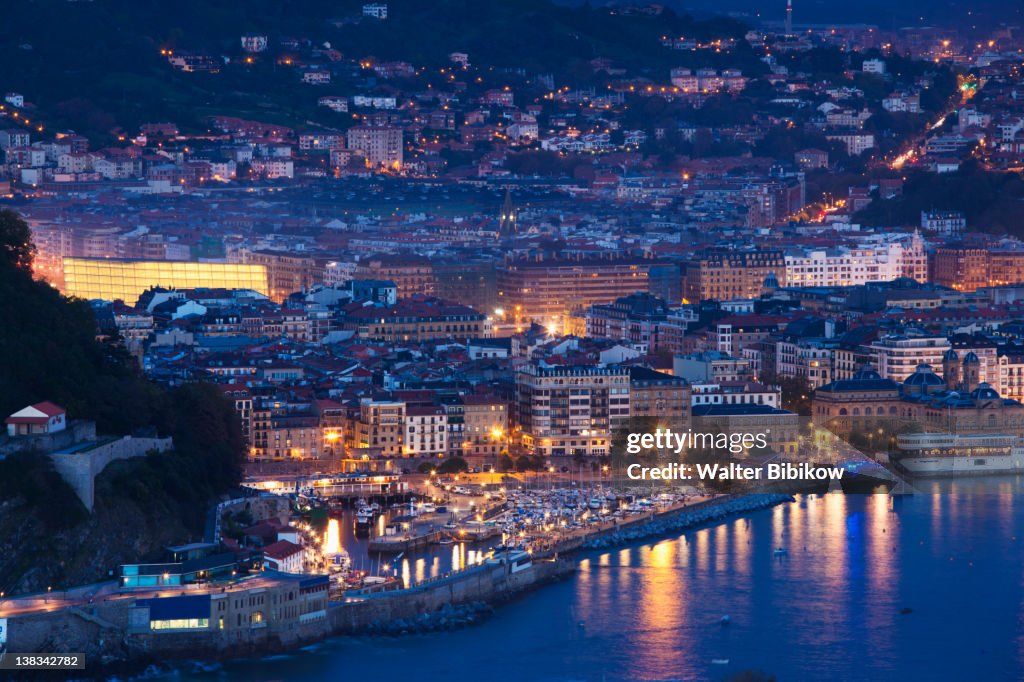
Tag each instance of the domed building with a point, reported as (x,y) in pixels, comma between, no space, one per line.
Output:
(923,381)
(865,396)
(957,403)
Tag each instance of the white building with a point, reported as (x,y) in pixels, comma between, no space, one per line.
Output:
(902,102)
(13,137)
(735,393)
(897,356)
(377,10)
(381,145)
(254,43)
(523,130)
(321,141)
(856,143)
(273,169)
(374,102)
(944,222)
(426,431)
(35,419)
(284,556)
(115,168)
(873,66)
(869,261)
(334,103)
(316,77)
(75,162)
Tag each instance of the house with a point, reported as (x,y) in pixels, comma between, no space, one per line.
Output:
(377,10)
(316,77)
(811,159)
(44,417)
(254,43)
(876,66)
(284,556)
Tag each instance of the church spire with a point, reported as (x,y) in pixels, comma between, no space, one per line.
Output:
(507,222)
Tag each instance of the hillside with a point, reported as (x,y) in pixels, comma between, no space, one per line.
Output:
(96,67)
(48,351)
(991,201)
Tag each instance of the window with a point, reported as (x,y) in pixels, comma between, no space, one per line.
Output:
(180,624)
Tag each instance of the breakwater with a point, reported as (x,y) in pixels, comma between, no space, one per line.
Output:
(456,600)
(700,514)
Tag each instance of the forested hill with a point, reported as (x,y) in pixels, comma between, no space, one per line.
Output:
(49,351)
(992,201)
(97,66)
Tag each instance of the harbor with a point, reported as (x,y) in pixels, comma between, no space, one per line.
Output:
(544,539)
(854,563)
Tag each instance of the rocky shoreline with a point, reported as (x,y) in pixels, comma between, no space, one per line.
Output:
(687,518)
(450,617)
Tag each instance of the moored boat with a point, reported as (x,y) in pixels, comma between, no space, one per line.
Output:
(949,454)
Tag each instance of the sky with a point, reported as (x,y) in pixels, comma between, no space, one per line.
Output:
(885,13)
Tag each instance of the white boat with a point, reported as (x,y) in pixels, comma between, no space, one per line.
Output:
(595,503)
(949,454)
(340,561)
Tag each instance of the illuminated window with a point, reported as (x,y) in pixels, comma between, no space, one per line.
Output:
(180,624)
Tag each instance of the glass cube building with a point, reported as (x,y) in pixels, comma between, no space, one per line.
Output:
(113,279)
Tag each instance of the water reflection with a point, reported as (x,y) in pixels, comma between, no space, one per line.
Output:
(332,537)
(415,567)
(870,587)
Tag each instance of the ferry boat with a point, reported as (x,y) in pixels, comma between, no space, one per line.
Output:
(950,454)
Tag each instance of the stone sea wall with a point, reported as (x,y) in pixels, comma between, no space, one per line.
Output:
(671,522)
(101,630)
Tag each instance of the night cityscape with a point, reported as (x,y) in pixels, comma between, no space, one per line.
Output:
(531,339)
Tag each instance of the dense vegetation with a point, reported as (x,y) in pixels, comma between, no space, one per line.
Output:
(992,201)
(49,351)
(96,67)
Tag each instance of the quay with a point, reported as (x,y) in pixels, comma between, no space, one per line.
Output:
(271,612)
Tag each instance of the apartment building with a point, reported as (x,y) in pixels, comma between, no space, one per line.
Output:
(573,410)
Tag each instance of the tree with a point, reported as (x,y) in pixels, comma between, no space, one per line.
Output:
(16,247)
(453,465)
(796,392)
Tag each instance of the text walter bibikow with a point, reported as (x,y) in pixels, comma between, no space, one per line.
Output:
(666,440)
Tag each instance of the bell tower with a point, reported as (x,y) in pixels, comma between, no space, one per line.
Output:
(508,218)
(951,369)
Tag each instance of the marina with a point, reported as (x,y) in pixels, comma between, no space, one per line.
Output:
(869,582)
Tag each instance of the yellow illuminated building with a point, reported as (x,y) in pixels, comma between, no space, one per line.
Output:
(126,280)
